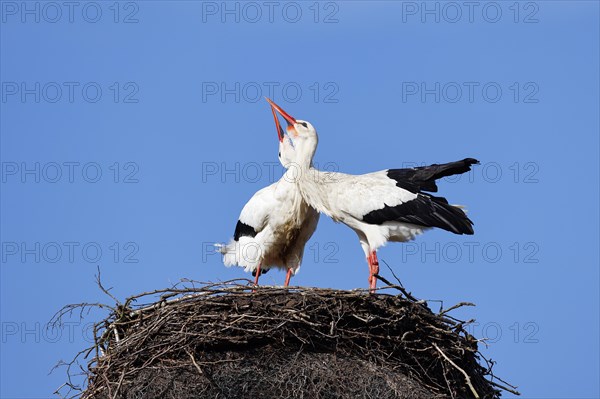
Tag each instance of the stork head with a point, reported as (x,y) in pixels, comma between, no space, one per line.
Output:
(301,134)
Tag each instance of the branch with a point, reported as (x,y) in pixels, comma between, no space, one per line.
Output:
(458,305)
(467,378)
(106,291)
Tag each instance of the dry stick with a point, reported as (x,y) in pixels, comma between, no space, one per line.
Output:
(514,392)
(108,385)
(447,382)
(400,287)
(403,290)
(458,305)
(212,382)
(467,378)
(106,291)
(194,362)
(119,385)
(512,389)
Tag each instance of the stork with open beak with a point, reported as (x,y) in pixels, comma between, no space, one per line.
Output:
(389,205)
(275,225)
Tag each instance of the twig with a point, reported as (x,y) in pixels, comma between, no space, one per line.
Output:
(400,286)
(106,291)
(119,384)
(194,363)
(507,389)
(458,305)
(407,295)
(467,378)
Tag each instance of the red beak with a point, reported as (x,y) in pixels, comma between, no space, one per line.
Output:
(290,119)
(280,132)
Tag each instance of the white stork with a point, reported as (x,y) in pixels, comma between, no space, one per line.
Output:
(388,205)
(274,225)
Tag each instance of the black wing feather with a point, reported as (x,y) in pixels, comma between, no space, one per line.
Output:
(243,230)
(423,178)
(426,210)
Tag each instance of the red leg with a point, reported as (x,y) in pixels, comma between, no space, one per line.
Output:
(257,275)
(369,261)
(373,269)
(287,278)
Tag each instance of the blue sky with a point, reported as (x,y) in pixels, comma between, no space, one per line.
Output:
(132,134)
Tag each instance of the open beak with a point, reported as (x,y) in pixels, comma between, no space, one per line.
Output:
(290,119)
(280,131)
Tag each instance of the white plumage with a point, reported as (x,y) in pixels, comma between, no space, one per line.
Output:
(274,226)
(348,198)
(389,205)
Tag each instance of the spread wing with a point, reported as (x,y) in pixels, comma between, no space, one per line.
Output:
(398,195)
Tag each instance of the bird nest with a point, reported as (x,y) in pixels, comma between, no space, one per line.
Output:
(232,340)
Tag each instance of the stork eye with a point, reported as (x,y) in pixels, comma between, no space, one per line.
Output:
(304,124)
(279,154)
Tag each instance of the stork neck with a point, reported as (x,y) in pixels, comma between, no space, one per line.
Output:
(310,182)
(305,152)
